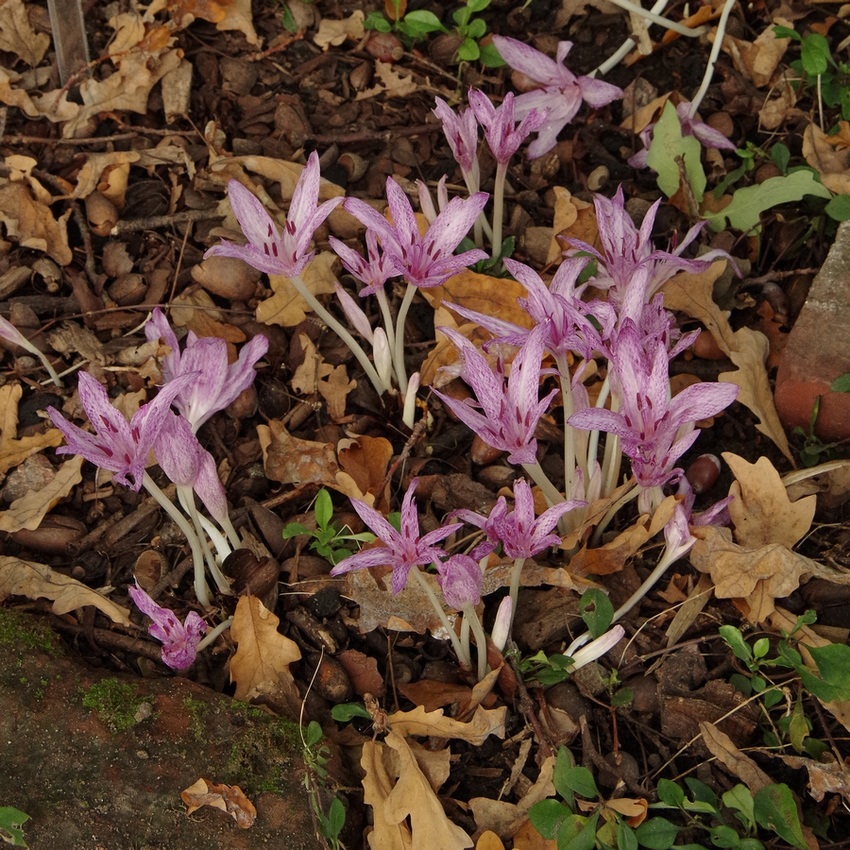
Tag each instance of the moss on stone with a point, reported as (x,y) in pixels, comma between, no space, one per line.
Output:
(21,631)
(115,702)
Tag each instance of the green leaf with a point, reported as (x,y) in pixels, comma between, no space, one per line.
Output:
(547,816)
(657,834)
(626,838)
(724,836)
(490,57)
(314,733)
(476,28)
(596,610)
(670,793)
(841,384)
(293,529)
(787,32)
(775,809)
(11,821)
(781,156)
(336,818)
(702,793)
(377,21)
(346,711)
(740,648)
(421,22)
(740,799)
(667,144)
(475,6)
(623,697)
(468,50)
(798,726)
(586,838)
(324,508)
(580,781)
(761,647)
(564,763)
(838,208)
(815,54)
(748,203)
(833,662)
(772,697)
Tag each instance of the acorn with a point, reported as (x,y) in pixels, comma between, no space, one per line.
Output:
(355,166)
(702,474)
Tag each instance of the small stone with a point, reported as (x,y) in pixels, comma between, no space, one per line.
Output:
(35,473)
(817,353)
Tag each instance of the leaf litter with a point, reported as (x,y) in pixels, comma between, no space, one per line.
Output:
(313,423)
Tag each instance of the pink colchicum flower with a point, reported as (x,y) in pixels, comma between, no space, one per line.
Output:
(374,271)
(461,131)
(629,263)
(217,382)
(404,550)
(117,445)
(460,580)
(707,136)
(11,334)
(427,260)
(179,640)
(560,93)
(508,417)
(188,464)
(654,431)
(558,307)
(501,131)
(268,250)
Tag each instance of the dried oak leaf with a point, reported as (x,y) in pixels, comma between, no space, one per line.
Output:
(417,721)
(52,105)
(830,778)
(387,833)
(757,59)
(31,222)
(12,450)
(286,307)
(413,797)
(761,511)
(260,667)
(38,581)
(17,35)
(748,349)
(228,798)
(390,83)
(829,162)
(28,511)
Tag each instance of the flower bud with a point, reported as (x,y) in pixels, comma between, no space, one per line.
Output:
(383,357)
(356,317)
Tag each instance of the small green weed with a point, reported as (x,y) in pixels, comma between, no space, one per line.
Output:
(116,703)
(329,540)
(11,821)
(582,819)
(316,756)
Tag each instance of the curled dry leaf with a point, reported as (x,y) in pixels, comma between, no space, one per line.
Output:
(28,511)
(417,721)
(829,161)
(38,581)
(17,35)
(31,222)
(737,763)
(332,32)
(12,450)
(824,778)
(228,798)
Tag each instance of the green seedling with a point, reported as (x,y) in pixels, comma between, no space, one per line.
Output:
(815,450)
(601,824)
(329,540)
(316,755)
(11,821)
(818,69)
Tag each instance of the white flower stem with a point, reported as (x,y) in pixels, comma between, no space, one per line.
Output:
(187,499)
(649,582)
(342,333)
(498,208)
(539,477)
(631,494)
(712,57)
(400,370)
(387,317)
(569,433)
(660,20)
(463,655)
(516,572)
(480,639)
(201,589)
(593,439)
(221,628)
(626,46)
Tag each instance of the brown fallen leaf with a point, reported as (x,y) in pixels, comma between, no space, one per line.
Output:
(750,353)
(38,581)
(759,59)
(737,763)
(824,778)
(366,460)
(387,833)
(761,511)
(829,162)
(12,450)
(28,511)
(17,35)
(291,460)
(31,223)
(489,841)
(389,82)
(413,797)
(228,798)
(286,307)
(335,33)
(260,667)
(417,721)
